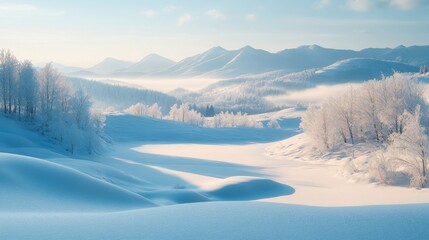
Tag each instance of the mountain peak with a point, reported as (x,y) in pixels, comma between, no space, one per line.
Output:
(154,57)
(247,48)
(311,47)
(110,59)
(217,49)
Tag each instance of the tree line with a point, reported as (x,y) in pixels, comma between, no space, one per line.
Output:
(42,98)
(390,114)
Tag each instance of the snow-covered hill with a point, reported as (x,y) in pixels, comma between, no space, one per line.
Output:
(250,93)
(105,95)
(358,70)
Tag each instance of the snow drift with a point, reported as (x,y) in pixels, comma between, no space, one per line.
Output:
(31,184)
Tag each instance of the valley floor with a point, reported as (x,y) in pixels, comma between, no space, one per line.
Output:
(169,180)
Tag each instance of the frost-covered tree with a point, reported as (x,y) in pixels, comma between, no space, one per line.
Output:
(410,149)
(50,91)
(379,114)
(137,109)
(153,111)
(317,124)
(183,113)
(46,102)
(28,89)
(345,113)
(229,119)
(8,79)
(369,113)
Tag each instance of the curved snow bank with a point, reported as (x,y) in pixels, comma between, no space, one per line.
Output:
(227,220)
(246,188)
(31,184)
(175,196)
(8,140)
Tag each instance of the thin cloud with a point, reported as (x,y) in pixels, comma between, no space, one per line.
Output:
(403,5)
(15,9)
(184,19)
(251,17)
(359,5)
(149,13)
(324,3)
(216,14)
(170,8)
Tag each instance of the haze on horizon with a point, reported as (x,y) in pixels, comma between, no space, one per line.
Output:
(83,33)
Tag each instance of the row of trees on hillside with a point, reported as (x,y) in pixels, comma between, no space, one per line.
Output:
(41,98)
(113,95)
(153,111)
(185,113)
(390,114)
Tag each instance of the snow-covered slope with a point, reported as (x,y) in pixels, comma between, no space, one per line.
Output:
(227,220)
(413,55)
(358,70)
(129,128)
(312,56)
(162,162)
(105,95)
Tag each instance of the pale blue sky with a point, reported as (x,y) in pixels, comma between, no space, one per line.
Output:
(82,33)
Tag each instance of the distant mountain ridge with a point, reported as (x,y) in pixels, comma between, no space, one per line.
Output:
(219,62)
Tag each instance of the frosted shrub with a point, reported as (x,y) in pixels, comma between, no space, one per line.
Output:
(273,123)
(381,169)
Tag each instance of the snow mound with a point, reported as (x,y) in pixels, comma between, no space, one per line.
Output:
(31,184)
(246,188)
(175,196)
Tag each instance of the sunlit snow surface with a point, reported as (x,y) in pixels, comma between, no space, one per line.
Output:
(139,187)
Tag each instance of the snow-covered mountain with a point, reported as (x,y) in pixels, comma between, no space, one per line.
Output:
(312,56)
(221,63)
(149,64)
(109,65)
(359,69)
